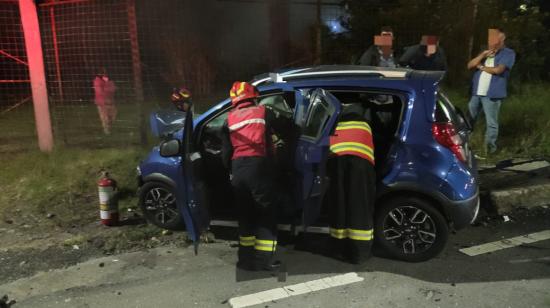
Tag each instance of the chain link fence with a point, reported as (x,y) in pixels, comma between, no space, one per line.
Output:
(148,47)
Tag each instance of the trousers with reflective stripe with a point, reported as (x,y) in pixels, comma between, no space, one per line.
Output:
(351,198)
(256,201)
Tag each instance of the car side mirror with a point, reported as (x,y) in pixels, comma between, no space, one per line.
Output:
(170,148)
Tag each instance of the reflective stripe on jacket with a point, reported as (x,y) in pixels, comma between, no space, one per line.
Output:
(247,130)
(353,138)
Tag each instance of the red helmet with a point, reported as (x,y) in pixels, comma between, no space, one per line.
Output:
(180,96)
(241,91)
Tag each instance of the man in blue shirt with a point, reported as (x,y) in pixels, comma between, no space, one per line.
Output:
(489,84)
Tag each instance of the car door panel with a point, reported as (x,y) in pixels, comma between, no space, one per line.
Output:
(193,199)
(312,152)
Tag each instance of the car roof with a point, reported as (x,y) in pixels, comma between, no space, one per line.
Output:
(345,71)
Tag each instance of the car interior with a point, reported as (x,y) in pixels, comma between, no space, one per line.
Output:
(383,112)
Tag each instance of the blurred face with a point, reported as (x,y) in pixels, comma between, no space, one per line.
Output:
(430,41)
(495,39)
(383,41)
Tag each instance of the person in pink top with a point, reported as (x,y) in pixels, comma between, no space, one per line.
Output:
(104,89)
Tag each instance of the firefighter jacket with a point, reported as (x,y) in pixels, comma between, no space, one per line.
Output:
(247,130)
(235,143)
(353,138)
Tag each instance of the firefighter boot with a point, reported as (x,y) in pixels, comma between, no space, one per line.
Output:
(245,260)
(359,251)
(264,261)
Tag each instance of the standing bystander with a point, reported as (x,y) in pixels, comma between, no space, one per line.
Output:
(381,53)
(427,55)
(492,69)
(104,89)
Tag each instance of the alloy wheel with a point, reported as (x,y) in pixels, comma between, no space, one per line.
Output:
(162,205)
(410,229)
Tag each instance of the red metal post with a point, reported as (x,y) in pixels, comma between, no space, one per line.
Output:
(136,61)
(56,52)
(33,46)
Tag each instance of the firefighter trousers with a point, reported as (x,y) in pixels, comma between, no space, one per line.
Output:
(257,207)
(352,195)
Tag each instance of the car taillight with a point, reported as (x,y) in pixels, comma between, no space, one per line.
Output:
(446,135)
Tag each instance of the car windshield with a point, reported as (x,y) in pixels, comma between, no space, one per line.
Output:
(166,122)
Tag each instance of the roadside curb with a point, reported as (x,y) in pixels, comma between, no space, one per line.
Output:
(523,186)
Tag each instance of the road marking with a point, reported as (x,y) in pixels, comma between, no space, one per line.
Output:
(293,290)
(310,229)
(506,243)
(543,259)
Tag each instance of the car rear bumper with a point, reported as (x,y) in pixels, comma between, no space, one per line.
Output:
(463,212)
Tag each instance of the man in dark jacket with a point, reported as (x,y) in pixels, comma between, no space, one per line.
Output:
(381,53)
(427,55)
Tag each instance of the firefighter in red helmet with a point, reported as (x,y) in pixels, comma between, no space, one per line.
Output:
(247,148)
(352,188)
(181,98)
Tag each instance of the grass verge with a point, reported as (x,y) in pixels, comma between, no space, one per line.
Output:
(524,122)
(60,188)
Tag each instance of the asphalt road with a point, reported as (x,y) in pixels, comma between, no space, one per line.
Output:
(175,277)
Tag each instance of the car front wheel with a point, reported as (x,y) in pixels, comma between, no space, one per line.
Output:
(410,229)
(158,204)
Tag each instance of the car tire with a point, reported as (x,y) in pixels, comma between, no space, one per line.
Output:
(157,201)
(410,229)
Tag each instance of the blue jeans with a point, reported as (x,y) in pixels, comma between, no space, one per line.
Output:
(491,108)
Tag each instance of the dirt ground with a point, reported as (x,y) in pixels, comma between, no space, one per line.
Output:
(26,250)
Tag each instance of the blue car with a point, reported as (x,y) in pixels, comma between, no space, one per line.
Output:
(426,173)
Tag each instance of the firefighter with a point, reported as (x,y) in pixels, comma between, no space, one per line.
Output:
(247,148)
(352,189)
(181,98)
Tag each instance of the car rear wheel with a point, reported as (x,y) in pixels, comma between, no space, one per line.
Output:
(158,204)
(410,229)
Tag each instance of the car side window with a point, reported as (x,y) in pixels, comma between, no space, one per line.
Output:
(276,102)
(444,110)
(319,114)
(217,122)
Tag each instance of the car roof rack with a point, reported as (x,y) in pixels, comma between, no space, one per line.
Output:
(332,71)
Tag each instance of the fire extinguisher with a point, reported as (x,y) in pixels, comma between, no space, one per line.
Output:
(108,205)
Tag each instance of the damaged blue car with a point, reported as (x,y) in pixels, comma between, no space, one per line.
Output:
(426,173)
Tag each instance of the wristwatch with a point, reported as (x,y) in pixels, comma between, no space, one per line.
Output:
(480,67)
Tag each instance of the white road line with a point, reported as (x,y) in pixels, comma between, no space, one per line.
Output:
(293,290)
(543,259)
(506,243)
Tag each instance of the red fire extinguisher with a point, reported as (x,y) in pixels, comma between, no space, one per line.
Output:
(108,205)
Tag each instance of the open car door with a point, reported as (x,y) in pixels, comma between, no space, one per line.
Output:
(192,200)
(312,152)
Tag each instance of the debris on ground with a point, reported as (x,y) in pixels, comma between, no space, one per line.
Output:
(429,295)
(5,302)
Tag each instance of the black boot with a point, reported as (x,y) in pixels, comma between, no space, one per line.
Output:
(265,261)
(246,258)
